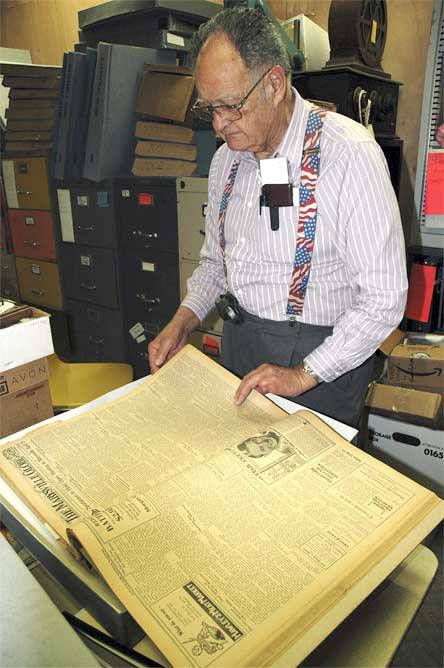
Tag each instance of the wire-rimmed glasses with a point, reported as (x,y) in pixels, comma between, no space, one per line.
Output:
(230,111)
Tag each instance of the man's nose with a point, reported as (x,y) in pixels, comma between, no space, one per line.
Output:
(221,120)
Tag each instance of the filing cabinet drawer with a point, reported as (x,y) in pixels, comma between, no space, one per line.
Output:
(212,322)
(60,332)
(151,284)
(32,234)
(90,274)
(26,183)
(96,333)
(87,214)
(138,335)
(148,214)
(9,288)
(39,282)
(192,200)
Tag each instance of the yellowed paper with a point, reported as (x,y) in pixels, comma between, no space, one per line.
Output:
(229,533)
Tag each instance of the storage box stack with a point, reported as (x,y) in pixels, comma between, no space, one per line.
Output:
(33,103)
(406,409)
(165,145)
(25,343)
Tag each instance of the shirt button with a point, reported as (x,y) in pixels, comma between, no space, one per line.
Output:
(250,204)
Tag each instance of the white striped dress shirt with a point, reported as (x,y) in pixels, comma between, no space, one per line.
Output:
(358,281)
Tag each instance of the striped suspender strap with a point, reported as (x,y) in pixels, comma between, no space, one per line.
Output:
(223,210)
(308,211)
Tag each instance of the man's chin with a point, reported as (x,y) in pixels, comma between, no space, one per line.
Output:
(236,141)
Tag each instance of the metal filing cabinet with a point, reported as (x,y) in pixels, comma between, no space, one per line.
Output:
(34,240)
(39,282)
(119,256)
(147,211)
(26,183)
(90,270)
(192,200)
(9,288)
(90,274)
(96,332)
(87,213)
(32,233)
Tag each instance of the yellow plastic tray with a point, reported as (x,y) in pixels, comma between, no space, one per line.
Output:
(75,383)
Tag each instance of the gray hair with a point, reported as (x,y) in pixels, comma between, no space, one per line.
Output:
(252,34)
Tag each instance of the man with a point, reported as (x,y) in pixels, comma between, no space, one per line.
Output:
(318,294)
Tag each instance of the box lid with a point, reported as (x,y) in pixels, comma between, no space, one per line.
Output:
(419,351)
(25,341)
(405,403)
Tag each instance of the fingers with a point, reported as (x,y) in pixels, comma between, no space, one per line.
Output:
(156,354)
(164,346)
(279,380)
(256,379)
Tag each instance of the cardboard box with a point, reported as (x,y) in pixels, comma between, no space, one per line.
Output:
(166,92)
(391,341)
(401,403)
(25,408)
(414,450)
(21,377)
(25,397)
(419,366)
(26,341)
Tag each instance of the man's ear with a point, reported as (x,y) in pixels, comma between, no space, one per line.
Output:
(278,81)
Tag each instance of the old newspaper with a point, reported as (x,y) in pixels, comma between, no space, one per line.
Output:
(233,535)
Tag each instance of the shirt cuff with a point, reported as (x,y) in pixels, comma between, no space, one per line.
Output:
(324,364)
(198,305)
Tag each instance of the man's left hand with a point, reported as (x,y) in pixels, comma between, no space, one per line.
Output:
(277,379)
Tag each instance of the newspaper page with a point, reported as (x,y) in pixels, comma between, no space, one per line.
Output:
(180,417)
(253,545)
(225,532)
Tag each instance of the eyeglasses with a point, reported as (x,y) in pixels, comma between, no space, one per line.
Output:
(231,111)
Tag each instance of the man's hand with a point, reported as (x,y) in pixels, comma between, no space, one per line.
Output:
(172,338)
(277,379)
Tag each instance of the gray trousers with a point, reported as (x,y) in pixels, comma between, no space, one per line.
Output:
(258,341)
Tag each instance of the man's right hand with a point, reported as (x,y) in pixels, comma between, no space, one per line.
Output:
(172,338)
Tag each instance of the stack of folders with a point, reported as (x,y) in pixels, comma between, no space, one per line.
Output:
(110,138)
(95,136)
(164,137)
(73,113)
(34,92)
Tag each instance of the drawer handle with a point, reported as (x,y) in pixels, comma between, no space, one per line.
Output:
(31,243)
(148,300)
(88,287)
(39,293)
(24,192)
(98,342)
(147,235)
(85,229)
